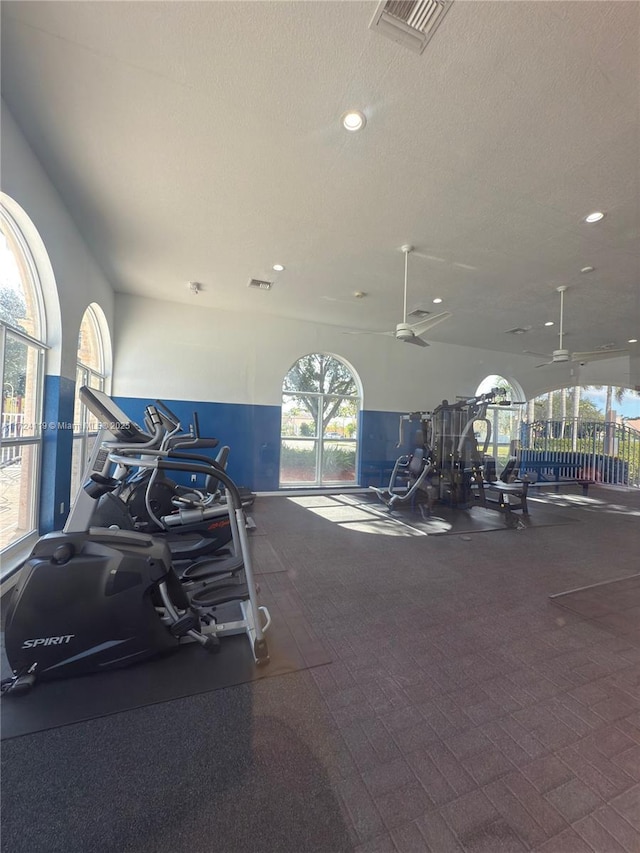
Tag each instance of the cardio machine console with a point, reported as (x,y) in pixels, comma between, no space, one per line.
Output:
(112,417)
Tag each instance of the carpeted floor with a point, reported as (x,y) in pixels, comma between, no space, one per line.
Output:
(614,605)
(463,710)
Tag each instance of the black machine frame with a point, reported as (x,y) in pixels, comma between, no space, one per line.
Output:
(129,603)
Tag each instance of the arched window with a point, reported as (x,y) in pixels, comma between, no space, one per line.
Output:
(92,370)
(319,434)
(22,350)
(505,420)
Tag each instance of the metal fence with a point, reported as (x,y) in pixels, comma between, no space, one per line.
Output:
(12,424)
(604,452)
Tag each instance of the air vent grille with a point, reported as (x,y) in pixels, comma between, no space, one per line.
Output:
(410,22)
(419,313)
(519,330)
(259,284)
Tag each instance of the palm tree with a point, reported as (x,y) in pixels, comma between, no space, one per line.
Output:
(563,411)
(574,417)
(614,392)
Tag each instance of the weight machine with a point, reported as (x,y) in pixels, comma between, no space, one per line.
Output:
(450,463)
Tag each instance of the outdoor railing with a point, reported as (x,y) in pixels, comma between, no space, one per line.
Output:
(606,452)
(11,428)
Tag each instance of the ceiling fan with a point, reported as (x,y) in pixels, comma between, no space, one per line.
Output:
(561,355)
(409,333)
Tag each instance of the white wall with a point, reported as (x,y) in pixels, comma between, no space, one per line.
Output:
(187,352)
(78,279)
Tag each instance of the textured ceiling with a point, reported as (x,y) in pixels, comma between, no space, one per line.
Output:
(201,141)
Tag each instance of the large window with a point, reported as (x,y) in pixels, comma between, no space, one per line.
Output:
(320,405)
(91,371)
(504,420)
(22,349)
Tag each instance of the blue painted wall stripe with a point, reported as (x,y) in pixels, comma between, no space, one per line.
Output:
(57,445)
(252,432)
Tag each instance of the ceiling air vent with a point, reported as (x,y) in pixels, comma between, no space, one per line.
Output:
(410,22)
(419,313)
(259,284)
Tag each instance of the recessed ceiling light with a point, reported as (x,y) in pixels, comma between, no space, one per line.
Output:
(587,269)
(278,267)
(437,300)
(549,323)
(359,294)
(632,341)
(596,216)
(353,120)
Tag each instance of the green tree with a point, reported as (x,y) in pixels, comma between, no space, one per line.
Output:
(614,392)
(315,375)
(12,310)
(550,406)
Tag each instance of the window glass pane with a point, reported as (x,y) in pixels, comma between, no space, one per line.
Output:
(82,447)
(18,299)
(298,461)
(320,373)
(299,415)
(20,389)
(90,372)
(335,377)
(304,375)
(90,343)
(18,478)
(338,462)
(341,418)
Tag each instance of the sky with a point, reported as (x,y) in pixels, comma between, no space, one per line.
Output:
(9,273)
(629,408)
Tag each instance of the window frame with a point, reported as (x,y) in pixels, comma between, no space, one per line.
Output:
(86,375)
(30,279)
(318,440)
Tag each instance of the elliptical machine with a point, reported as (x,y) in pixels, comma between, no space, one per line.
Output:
(95,599)
(195,522)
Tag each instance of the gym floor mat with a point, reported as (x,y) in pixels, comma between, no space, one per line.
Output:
(265,559)
(187,672)
(445,520)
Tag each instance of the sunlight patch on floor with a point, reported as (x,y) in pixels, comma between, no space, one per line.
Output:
(584,502)
(351,514)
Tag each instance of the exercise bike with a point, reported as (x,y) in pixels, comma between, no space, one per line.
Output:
(94,599)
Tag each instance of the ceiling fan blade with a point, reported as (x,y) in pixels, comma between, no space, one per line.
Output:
(539,354)
(366,332)
(544,364)
(598,355)
(423,326)
(415,340)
